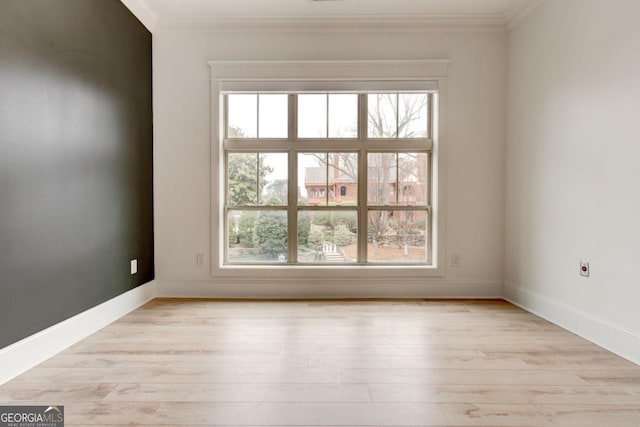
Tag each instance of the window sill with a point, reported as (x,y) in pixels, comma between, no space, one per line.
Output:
(328,271)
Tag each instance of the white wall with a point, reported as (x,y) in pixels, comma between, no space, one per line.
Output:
(475,172)
(572,168)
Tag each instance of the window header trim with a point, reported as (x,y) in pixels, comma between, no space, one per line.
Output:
(361,70)
(344,86)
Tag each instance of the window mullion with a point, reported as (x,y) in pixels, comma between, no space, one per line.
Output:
(292,205)
(363,214)
(326,185)
(362,117)
(397,179)
(258,178)
(293,117)
(258,115)
(327,115)
(397,115)
(292,209)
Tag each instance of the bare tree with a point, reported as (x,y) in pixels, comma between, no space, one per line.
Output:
(381,192)
(392,115)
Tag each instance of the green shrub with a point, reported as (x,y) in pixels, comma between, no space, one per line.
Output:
(342,236)
(315,239)
(270,233)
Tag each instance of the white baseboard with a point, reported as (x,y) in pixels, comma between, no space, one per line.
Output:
(317,288)
(35,349)
(606,334)
(27,353)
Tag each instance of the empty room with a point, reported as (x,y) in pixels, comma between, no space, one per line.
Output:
(319,213)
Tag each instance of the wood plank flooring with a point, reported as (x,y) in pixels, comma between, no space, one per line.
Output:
(334,363)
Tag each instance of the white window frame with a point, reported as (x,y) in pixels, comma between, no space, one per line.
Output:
(258,76)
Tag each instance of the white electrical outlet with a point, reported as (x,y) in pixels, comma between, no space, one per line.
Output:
(455,260)
(584,269)
(199,260)
(134,266)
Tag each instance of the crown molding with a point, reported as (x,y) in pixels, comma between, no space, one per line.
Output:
(518,11)
(142,11)
(337,23)
(332,23)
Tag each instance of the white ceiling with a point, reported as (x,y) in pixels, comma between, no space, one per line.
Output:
(170,12)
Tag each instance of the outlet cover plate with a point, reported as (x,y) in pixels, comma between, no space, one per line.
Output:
(584,269)
(455,260)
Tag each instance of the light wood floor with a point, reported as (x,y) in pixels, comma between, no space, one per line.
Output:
(359,363)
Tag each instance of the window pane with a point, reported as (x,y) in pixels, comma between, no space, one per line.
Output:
(312,116)
(413,177)
(257,236)
(343,179)
(273,116)
(397,236)
(327,236)
(312,179)
(412,115)
(382,119)
(242,113)
(240,235)
(250,175)
(273,179)
(382,176)
(242,179)
(328,179)
(343,116)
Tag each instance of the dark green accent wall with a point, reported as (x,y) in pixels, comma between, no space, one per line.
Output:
(76,159)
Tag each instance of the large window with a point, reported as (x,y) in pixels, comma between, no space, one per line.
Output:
(328,178)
